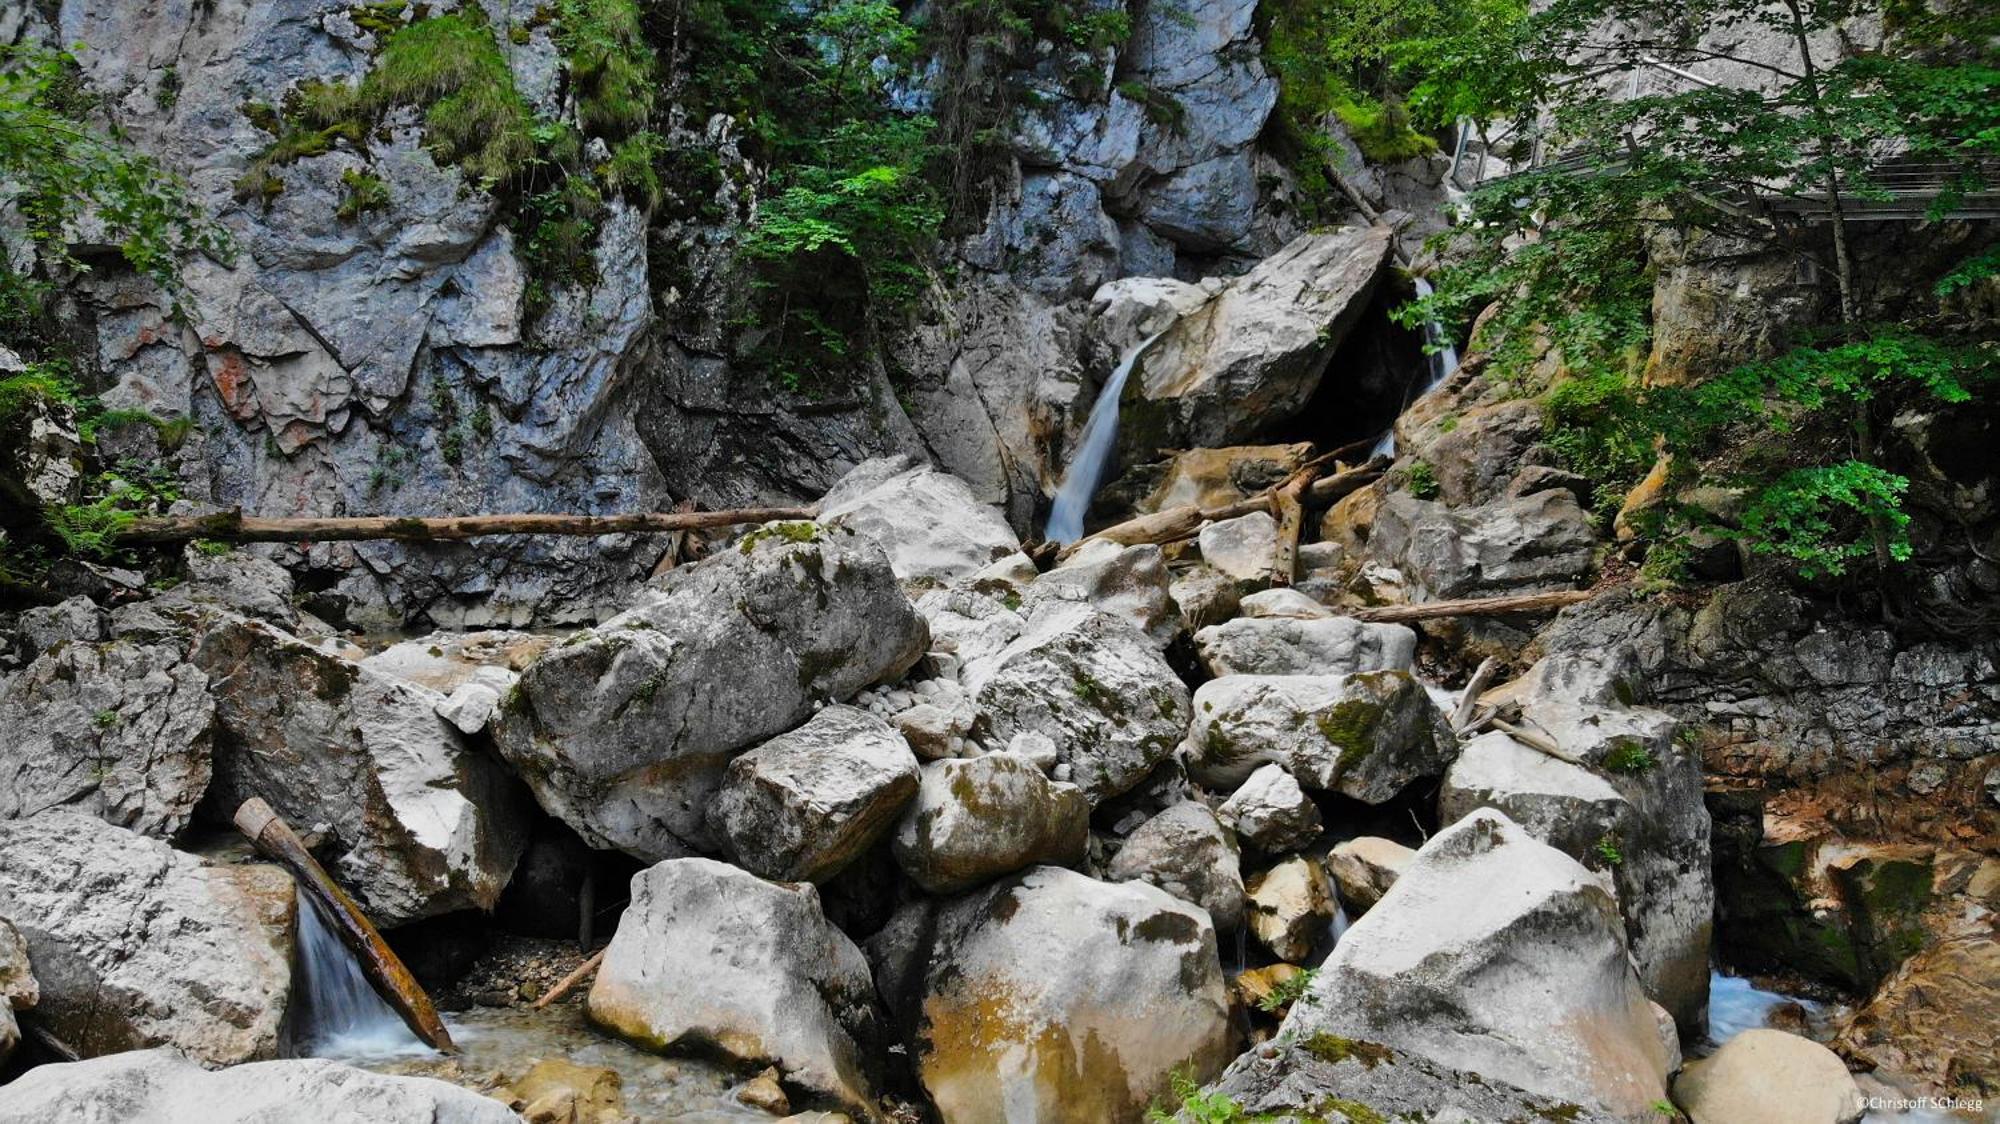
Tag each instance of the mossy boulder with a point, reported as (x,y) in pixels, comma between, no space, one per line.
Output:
(1366,736)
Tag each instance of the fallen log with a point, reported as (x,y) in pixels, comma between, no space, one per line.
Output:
(1177,523)
(1473,607)
(234,526)
(1288,504)
(568,983)
(377,961)
(1538,743)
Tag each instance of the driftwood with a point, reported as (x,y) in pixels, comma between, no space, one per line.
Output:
(568,983)
(1177,523)
(1468,703)
(234,526)
(380,964)
(1288,504)
(1537,742)
(1473,607)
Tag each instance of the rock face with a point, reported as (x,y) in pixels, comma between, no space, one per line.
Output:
(18,989)
(1931,1019)
(1534,543)
(110,722)
(710,957)
(1053,996)
(625,730)
(1366,736)
(805,804)
(976,819)
(424,822)
(162,1085)
(135,944)
(1768,1075)
(1187,852)
(1253,355)
(933,526)
(1094,684)
(1271,812)
(1294,646)
(1498,955)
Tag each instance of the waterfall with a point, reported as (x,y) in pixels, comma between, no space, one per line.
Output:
(341,1014)
(1093,452)
(1440,360)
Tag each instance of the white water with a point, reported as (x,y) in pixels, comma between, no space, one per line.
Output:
(1440,360)
(341,1014)
(1093,452)
(1736,1005)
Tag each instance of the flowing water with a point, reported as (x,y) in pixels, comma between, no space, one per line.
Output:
(1440,360)
(1093,452)
(341,1014)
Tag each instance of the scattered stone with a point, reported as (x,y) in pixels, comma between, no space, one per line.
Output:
(1095,685)
(163,1085)
(1276,645)
(976,819)
(1272,812)
(1364,868)
(624,730)
(559,1091)
(1242,549)
(763,1093)
(1498,955)
(1770,1077)
(1059,996)
(931,524)
(1037,748)
(135,944)
(1205,595)
(714,958)
(1187,852)
(938,727)
(1290,906)
(1366,736)
(803,805)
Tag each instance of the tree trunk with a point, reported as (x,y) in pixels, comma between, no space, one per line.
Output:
(233,526)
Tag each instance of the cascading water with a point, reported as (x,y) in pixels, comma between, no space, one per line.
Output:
(1440,360)
(342,1015)
(1093,452)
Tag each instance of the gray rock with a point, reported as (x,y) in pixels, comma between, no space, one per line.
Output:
(135,944)
(709,957)
(1295,646)
(1130,582)
(1253,355)
(1243,549)
(1534,543)
(1094,684)
(1498,955)
(803,805)
(1364,868)
(118,727)
(18,989)
(624,730)
(1037,748)
(1188,852)
(1056,996)
(978,818)
(41,454)
(1271,812)
(424,822)
(973,622)
(1206,596)
(161,1085)
(1366,735)
(931,524)
(1290,907)
(1769,1075)
(1284,603)
(937,729)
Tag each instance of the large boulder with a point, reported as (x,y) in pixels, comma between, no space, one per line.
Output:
(1211,478)
(1297,646)
(625,730)
(1129,582)
(135,944)
(712,958)
(18,989)
(1290,906)
(1365,736)
(104,720)
(1271,812)
(161,1085)
(1052,996)
(1528,544)
(422,821)
(1932,1020)
(1094,684)
(1187,852)
(1771,1077)
(975,819)
(1498,955)
(1244,549)
(803,805)
(931,524)
(1252,355)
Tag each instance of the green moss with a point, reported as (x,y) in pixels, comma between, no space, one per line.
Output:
(1628,755)
(1351,727)
(1333,1049)
(1354,1111)
(1562,1113)
(362,193)
(796,531)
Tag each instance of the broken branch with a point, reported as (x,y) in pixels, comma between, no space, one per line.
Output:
(1473,607)
(234,526)
(568,983)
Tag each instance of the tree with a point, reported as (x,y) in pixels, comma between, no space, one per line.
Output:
(1632,139)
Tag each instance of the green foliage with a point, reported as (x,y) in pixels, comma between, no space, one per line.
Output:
(1287,991)
(1607,852)
(1629,756)
(363,192)
(610,63)
(1201,1106)
(1820,517)
(1420,480)
(117,497)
